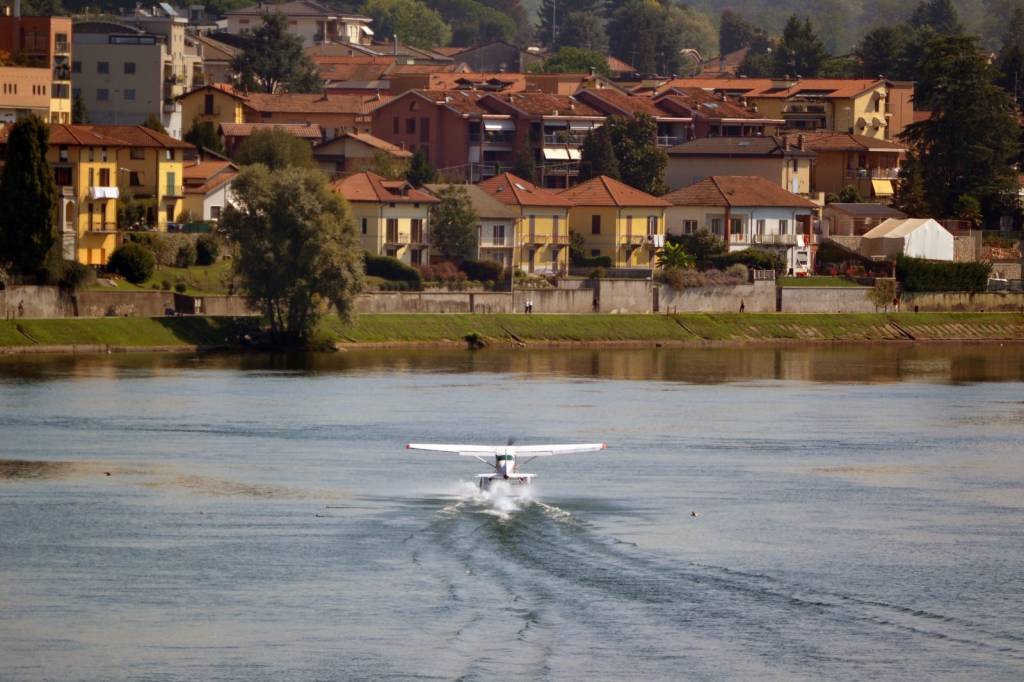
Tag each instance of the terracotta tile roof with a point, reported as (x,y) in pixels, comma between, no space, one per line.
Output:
(736,191)
(225,88)
(540,104)
(606,191)
(301,130)
(462,81)
(377,143)
(485,205)
(616,65)
(613,102)
(706,103)
(356,68)
(767,145)
(832,141)
(724,66)
(865,210)
(513,190)
(462,101)
(206,169)
(368,186)
(106,136)
(315,103)
(766,87)
(449,51)
(411,69)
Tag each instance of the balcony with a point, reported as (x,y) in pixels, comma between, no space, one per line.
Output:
(668,140)
(768,239)
(496,242)
(872,173)
(565,138)
(62,72)
(62,47)
(104,192)
(632,241)
(101,228)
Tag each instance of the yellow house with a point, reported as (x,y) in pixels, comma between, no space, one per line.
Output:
(542,230)
(94,166)
(616,220)
(391,217)
(215,103)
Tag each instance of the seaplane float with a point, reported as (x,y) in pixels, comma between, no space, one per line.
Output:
(505,462)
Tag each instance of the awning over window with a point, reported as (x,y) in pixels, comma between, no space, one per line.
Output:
(581,125)
(555,154)
(574,154)
(366,30)
(103,193)
(500,124)
(882,188)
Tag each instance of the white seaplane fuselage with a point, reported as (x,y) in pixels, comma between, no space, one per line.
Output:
(505,458)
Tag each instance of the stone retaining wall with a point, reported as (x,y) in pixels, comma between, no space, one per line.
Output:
(758,297)
(957,301)
(824,300)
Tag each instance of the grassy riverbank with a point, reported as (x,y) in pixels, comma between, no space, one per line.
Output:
(88,334)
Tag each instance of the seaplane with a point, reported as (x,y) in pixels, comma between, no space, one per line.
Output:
(505,462)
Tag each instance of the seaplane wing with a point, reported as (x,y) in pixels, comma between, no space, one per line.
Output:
(531,450)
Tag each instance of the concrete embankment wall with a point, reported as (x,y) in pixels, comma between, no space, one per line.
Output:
(758,297)
(824,300)
(35,301)
(962,301)
(124,303)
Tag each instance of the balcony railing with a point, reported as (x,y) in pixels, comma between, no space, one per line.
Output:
(565,138)
(62,73)
(668,140)
(769,239)
(872,173)
(62,47)
(101,228)
(632,240)
(491,242)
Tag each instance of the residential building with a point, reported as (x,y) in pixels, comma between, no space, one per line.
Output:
(94,166)
(853,220)
(497,56)
(747,211)
(234,134)
(314,22)
(542,232)
(391,217)
(772,158)
(914,237)
(218,61)
(134,67)
(876,108)
(40,83)
(867,164)
(207,183)
(496,225)
(333,114)
(355,152)
(718,115)
(616,220)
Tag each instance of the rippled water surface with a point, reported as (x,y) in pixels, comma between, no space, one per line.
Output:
(859,514)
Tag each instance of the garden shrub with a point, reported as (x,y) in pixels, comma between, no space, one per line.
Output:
(390,268)
(482,270)
(592,262)
(207,250)
(186,256)
(132,261)
(918,274)
(75,275)
(756,259)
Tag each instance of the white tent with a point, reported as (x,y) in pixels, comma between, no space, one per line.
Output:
(915,237)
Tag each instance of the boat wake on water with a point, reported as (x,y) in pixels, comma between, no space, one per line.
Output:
(500,500)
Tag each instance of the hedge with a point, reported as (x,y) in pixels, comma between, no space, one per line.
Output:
(918,274)
(482,270)
(756,259)
(390,268)
(592,262)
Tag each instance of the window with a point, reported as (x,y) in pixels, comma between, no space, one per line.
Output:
(716,225)
(595,224)
(499,234)
(795,162)
(629,226)
(365,226)
(92,177)
(689,226)
(102,67)
(129,68)
(208,105)
(135,179)
(76,92)
(594,253)
(215,212)
(736,226)
(62,154)
(410,126)
(129,94)
(416,257)
(533,227)
(76,66)
(103,154)
(62,176)
(169,213)
(555,225)
(61,91)
(169,155)
(137,154)
(760,226)
(652,224)
(394,125)
(104,177)
(391,228)
(424,130)
(102,94)
(170,184)
(417,231)
(243,22)
(783,227)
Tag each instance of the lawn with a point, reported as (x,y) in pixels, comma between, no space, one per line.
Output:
(200,280)
(816,282)
(124,331)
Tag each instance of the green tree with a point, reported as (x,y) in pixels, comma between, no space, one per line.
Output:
(702,245)
(553,18)
(1010,61)
(525,163)
(758,62)
(453,224)
(79,114)
(881,52)
(153,122)
(388,166)
(968,209)
(909,196)
(412,21)
(883,293)
(474,23)
(584,30)
(29,196)
(273,59)
(675,256)
(597,156)
(800,52)
(516,12)
(641,162)
(649,35)
(297,248)
(972,138)
(850,195)
(420,171)
(734,32)
(203,134)
(276,149)
(938,15)
(575,60)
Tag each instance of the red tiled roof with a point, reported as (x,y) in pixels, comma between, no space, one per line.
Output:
(706,103)
(819,141)
(462,101)
(301,130)
(302,103)
(106,136)
(448,51)
(615,102)
(453,81)
(377,143)
(736,191)
(511,189)
(540,104)
(206,169)
(225,88)
(606,191)
(368,186)
(616,65)
(766,87)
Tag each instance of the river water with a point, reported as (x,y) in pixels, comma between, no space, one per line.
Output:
(859,514)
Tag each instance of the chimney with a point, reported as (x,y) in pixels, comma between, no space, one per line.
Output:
(800,142)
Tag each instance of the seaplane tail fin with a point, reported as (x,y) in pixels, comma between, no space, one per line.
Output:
(549,450)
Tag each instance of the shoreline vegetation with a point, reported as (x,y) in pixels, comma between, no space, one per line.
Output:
(509,331)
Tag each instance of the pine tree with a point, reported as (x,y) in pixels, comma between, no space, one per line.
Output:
(274,60)
(938,15)
(554,14)
(910,193)
(800,52)
(734,32)
(420,171)
(598,155)
(29,196)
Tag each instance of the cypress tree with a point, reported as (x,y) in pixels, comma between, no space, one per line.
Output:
(28,194)
(597,157)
